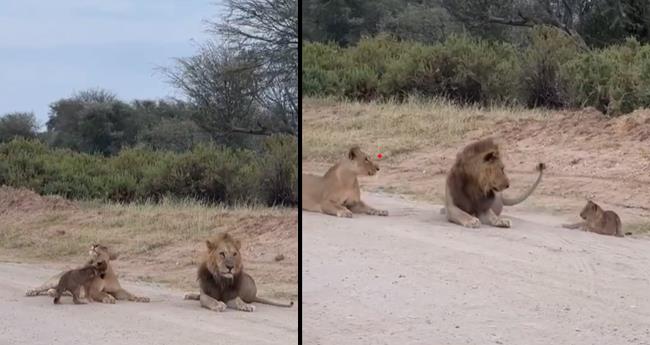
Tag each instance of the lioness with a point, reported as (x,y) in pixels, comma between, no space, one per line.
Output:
(74,280)
(474,185)
(105,290)
(337,193)
(598,220)
(222,280)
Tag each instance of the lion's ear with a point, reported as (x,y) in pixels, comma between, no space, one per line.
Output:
(354,152)
(237,244)
(490,156)
(210,245)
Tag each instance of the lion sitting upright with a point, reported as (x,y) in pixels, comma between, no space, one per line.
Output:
(474,185)
(338,193)
(222,280)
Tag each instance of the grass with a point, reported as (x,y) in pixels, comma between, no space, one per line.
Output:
(158,242)
(330,125)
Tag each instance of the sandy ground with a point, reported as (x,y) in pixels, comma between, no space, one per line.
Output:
(168,319)
(413,278)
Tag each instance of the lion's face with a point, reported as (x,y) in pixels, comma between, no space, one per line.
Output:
(99,253)
(589,209)
(489,171)
(361,162)
(223,256)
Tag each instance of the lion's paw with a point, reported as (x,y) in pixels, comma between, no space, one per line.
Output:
(472,223)
(108,299)
(218,306)
(51,292)
(32,292)
(192,296)
(141,299)
(246,307)
(383,213)
(503,223)
(344,213)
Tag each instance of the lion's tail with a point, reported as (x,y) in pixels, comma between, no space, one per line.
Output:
(514,201)
(269,302)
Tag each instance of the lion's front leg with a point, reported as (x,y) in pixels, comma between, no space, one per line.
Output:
(237,303)
(100,296)
(123,295)
(361,207)
(490,218)
(334,209)
(211,303)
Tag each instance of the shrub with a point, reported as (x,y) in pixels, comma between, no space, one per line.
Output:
(214,174)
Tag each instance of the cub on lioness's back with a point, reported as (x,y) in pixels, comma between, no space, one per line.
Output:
(598,221)
(337,193)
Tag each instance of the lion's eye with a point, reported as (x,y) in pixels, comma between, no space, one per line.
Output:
(235,254)
(222,254)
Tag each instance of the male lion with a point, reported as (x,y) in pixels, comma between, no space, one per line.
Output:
(222,280)
(598,221)
(102,289)
(474,185)
(338,193)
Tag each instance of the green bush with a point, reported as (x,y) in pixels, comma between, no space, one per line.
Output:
(616,79)
(554,70)
(214,174)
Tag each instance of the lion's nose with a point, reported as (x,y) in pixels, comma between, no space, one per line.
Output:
(507,184)
(229,267)
(377,168)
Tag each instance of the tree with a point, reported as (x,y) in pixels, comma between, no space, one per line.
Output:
(93,121)
(17,125)
(247,83)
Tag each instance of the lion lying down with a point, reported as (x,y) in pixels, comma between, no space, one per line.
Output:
(474,185)
(104,289)
(222,280)
(338,193)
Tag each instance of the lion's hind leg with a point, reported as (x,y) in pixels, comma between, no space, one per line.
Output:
(333,209)
(192,296)
(123,295)
(361,207)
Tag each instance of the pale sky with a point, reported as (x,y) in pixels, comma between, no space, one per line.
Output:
(52,49)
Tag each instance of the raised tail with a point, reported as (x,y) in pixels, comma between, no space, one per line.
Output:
(269,302)
(514,201)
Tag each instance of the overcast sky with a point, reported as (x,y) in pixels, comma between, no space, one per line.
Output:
(52,49)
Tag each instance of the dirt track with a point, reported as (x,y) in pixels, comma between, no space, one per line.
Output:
(413,278)
(168,319)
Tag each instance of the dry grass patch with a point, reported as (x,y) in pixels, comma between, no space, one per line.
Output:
(330,126)
(158,242)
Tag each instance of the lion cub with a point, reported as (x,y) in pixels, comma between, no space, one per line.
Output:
(74,280)
(598,220)
(338,193)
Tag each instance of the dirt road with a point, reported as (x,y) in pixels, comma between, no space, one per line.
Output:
(168,319)
(413,278)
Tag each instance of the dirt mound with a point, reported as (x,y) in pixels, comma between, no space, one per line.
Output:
(25,200)
(586,125)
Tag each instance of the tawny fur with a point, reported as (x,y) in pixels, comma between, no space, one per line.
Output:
(474,185)
(105,290)
(74,280)
(222,280)
(598,221)
(337,193)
